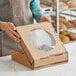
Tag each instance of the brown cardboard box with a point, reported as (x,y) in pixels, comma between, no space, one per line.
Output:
(33,57)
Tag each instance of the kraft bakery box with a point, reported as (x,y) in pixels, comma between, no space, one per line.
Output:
(41,46)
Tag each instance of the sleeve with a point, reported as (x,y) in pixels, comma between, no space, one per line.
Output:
(0,21)
(36,10)
(1,30)
(0,1)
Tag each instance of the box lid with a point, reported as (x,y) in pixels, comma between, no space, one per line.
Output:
(34,53)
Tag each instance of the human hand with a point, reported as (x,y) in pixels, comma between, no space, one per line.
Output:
(10,29)
(44,19)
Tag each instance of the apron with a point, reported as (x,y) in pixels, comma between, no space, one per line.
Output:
(17,12)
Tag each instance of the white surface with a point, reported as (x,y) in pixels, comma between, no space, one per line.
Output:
(11,68)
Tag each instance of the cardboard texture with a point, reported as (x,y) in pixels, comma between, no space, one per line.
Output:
(34,58)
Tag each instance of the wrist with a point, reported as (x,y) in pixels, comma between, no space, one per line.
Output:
(2,24)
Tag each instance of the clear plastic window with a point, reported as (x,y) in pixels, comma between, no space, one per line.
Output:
(41,40)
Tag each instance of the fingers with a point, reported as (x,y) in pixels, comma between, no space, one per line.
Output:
(13,29)
(12,25)
(44,19)
(13,36)
(47,19)
(12,32)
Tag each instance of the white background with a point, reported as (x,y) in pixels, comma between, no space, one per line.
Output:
(11,68)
